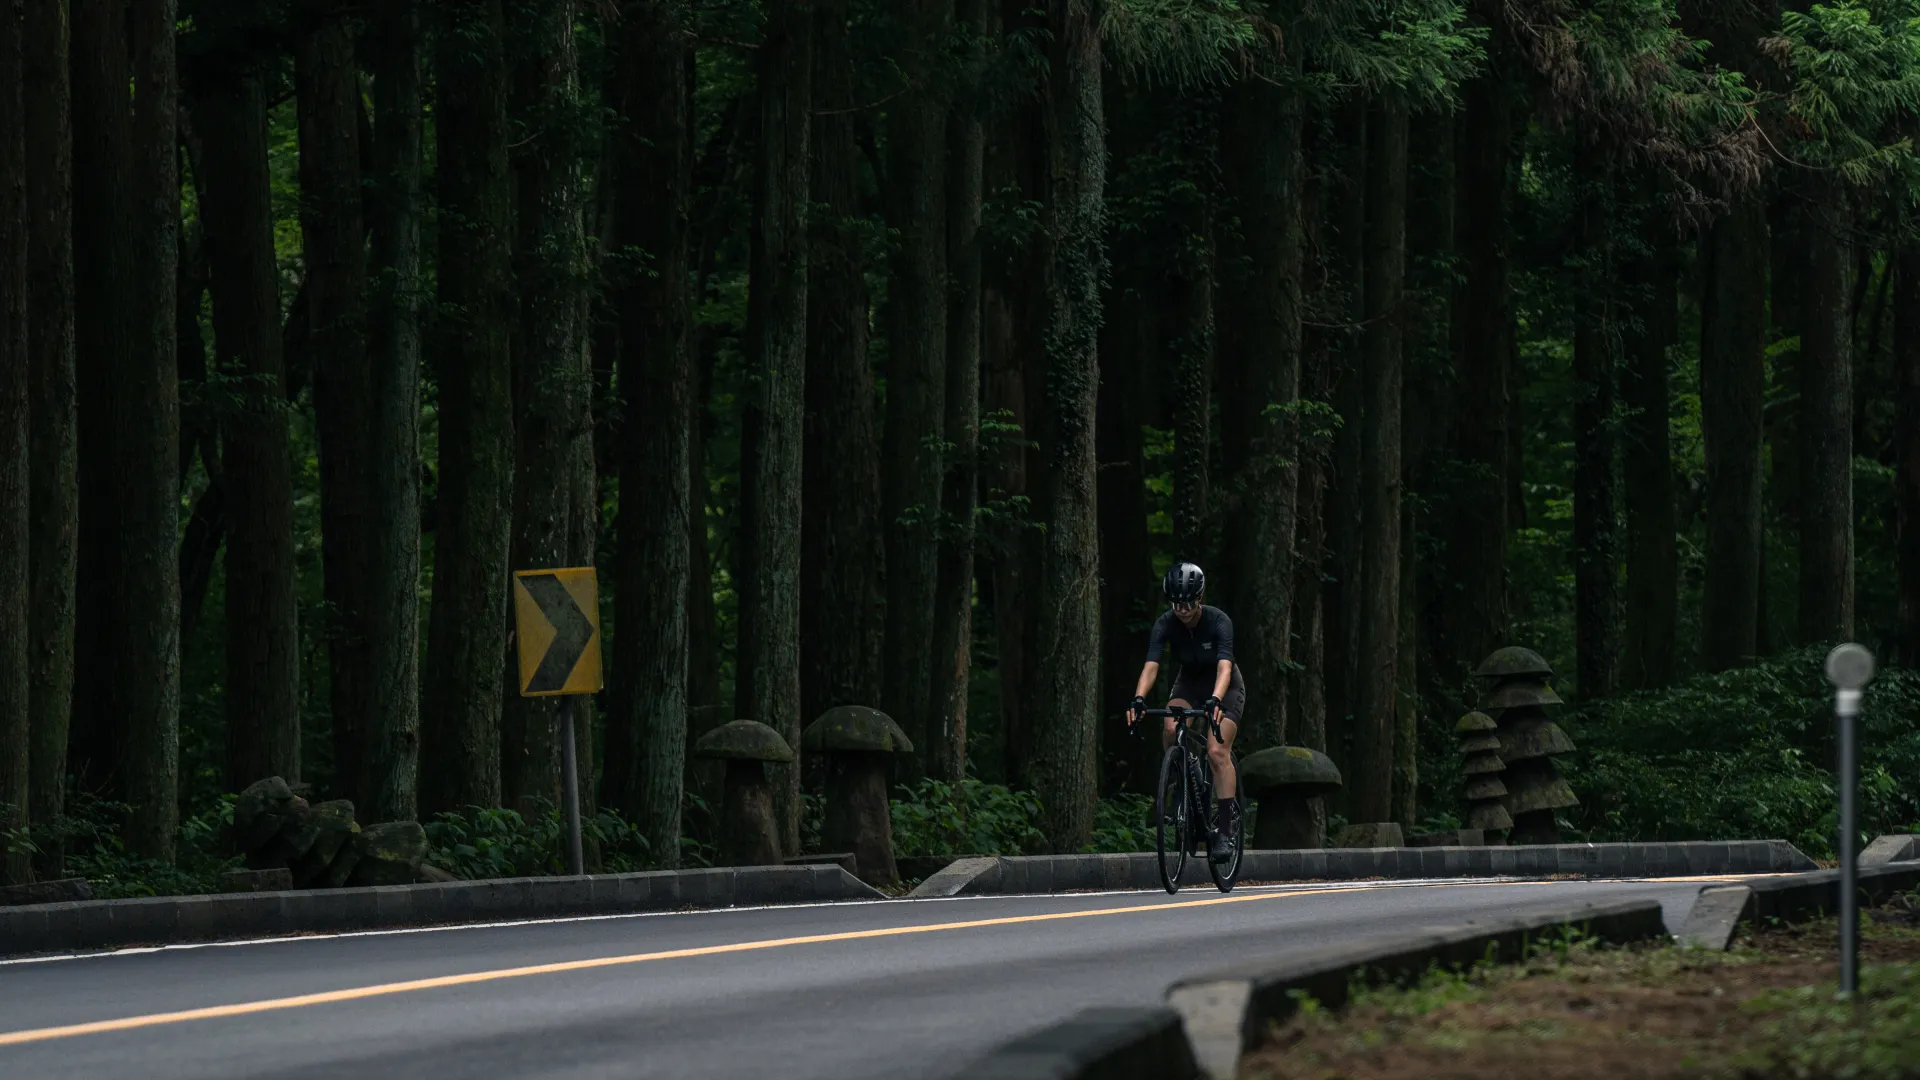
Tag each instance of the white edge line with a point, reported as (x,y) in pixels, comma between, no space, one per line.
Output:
(1344,886)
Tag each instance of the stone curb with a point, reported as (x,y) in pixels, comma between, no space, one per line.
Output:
(1900,847)
(1719,911)
(1111,1044)
(1012,875)
(107,924)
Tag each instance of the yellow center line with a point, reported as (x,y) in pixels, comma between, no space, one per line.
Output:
(358,993)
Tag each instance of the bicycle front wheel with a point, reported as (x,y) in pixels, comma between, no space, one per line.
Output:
(1225,874)
(1171,825)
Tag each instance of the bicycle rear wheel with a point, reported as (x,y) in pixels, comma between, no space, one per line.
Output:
(1171,825)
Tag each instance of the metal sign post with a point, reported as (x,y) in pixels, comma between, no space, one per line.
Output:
(1849,669)
(557,631)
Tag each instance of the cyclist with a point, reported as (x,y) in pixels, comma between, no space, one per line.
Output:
(1200,638)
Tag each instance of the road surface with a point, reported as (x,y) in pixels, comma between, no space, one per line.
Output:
(837,992)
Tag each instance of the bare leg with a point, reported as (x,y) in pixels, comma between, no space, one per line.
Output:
(1220,755)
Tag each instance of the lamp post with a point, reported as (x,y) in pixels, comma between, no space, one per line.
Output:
(1849,669)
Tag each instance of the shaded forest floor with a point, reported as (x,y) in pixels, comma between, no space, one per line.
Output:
(1765,1008)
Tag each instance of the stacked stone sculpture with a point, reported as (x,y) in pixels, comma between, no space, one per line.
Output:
(321,845)
(1481,766)
(1517,696)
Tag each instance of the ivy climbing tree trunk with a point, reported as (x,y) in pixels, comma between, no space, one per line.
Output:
(1066,679)
(773,417)
(460,722)
(550,278)
(1261,315)
(229,108)
(652,563)
(51,454)
(1825,502)
(916,380)
(842,597)
(1376,683)
(390,728)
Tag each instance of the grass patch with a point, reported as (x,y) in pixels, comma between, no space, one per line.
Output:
(1764,1009)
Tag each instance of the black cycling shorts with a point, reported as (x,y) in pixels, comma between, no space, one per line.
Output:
(1194,692)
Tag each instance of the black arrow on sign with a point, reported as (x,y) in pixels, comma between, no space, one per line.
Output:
(571,632)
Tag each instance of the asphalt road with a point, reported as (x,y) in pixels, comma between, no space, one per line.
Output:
(883,989)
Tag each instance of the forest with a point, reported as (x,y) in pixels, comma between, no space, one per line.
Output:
(885,352)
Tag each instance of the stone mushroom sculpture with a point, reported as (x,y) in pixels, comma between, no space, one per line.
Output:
(1481,766)
(1283,780)
(1517,696)
(749,831)
(859,744)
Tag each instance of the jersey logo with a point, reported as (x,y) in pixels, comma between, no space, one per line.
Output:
(1206,644)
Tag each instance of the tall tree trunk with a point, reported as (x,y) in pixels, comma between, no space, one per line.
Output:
(772,421)
(1732,385)
(1906,355)
(1260,324)
(841,593)
(229,108)
(55,510)
(390,727)
(1370,782)
(334,230)
(1127,339)
(1066,678)
(460,722)
(1307,687)
(1345,569)
(1012,319)
(1653,568)
(1407,705)
(1595,570)
(953,600)
(1190,299)
(15,472)
(103,265)
(652,560)
(550,277)
(137,425)
(916,381)
(1477,531)
(1826,421)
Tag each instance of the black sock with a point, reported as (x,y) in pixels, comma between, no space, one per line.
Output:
(1228,813)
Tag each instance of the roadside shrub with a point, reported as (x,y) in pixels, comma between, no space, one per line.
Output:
(968,818)
(1744,754)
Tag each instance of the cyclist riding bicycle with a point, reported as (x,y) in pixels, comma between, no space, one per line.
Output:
(1200,638)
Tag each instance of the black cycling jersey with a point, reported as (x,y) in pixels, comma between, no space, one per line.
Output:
(1198,651)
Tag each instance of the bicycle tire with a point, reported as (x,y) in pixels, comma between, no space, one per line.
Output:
(1226,874)
(1173,781)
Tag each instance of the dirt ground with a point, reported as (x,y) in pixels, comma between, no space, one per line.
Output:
(1763,1009)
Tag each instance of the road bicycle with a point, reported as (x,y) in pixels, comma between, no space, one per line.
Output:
(1183,809)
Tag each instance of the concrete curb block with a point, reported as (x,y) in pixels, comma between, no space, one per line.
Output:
(1111,1044)
(957,876)
(107,924)
(1891,849)
(1226,1011)
(1715,916)
(1010,875)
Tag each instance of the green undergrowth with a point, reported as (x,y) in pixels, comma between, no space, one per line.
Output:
(935,818)
(1744,754)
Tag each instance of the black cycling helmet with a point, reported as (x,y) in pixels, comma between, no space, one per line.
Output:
(1184,583)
